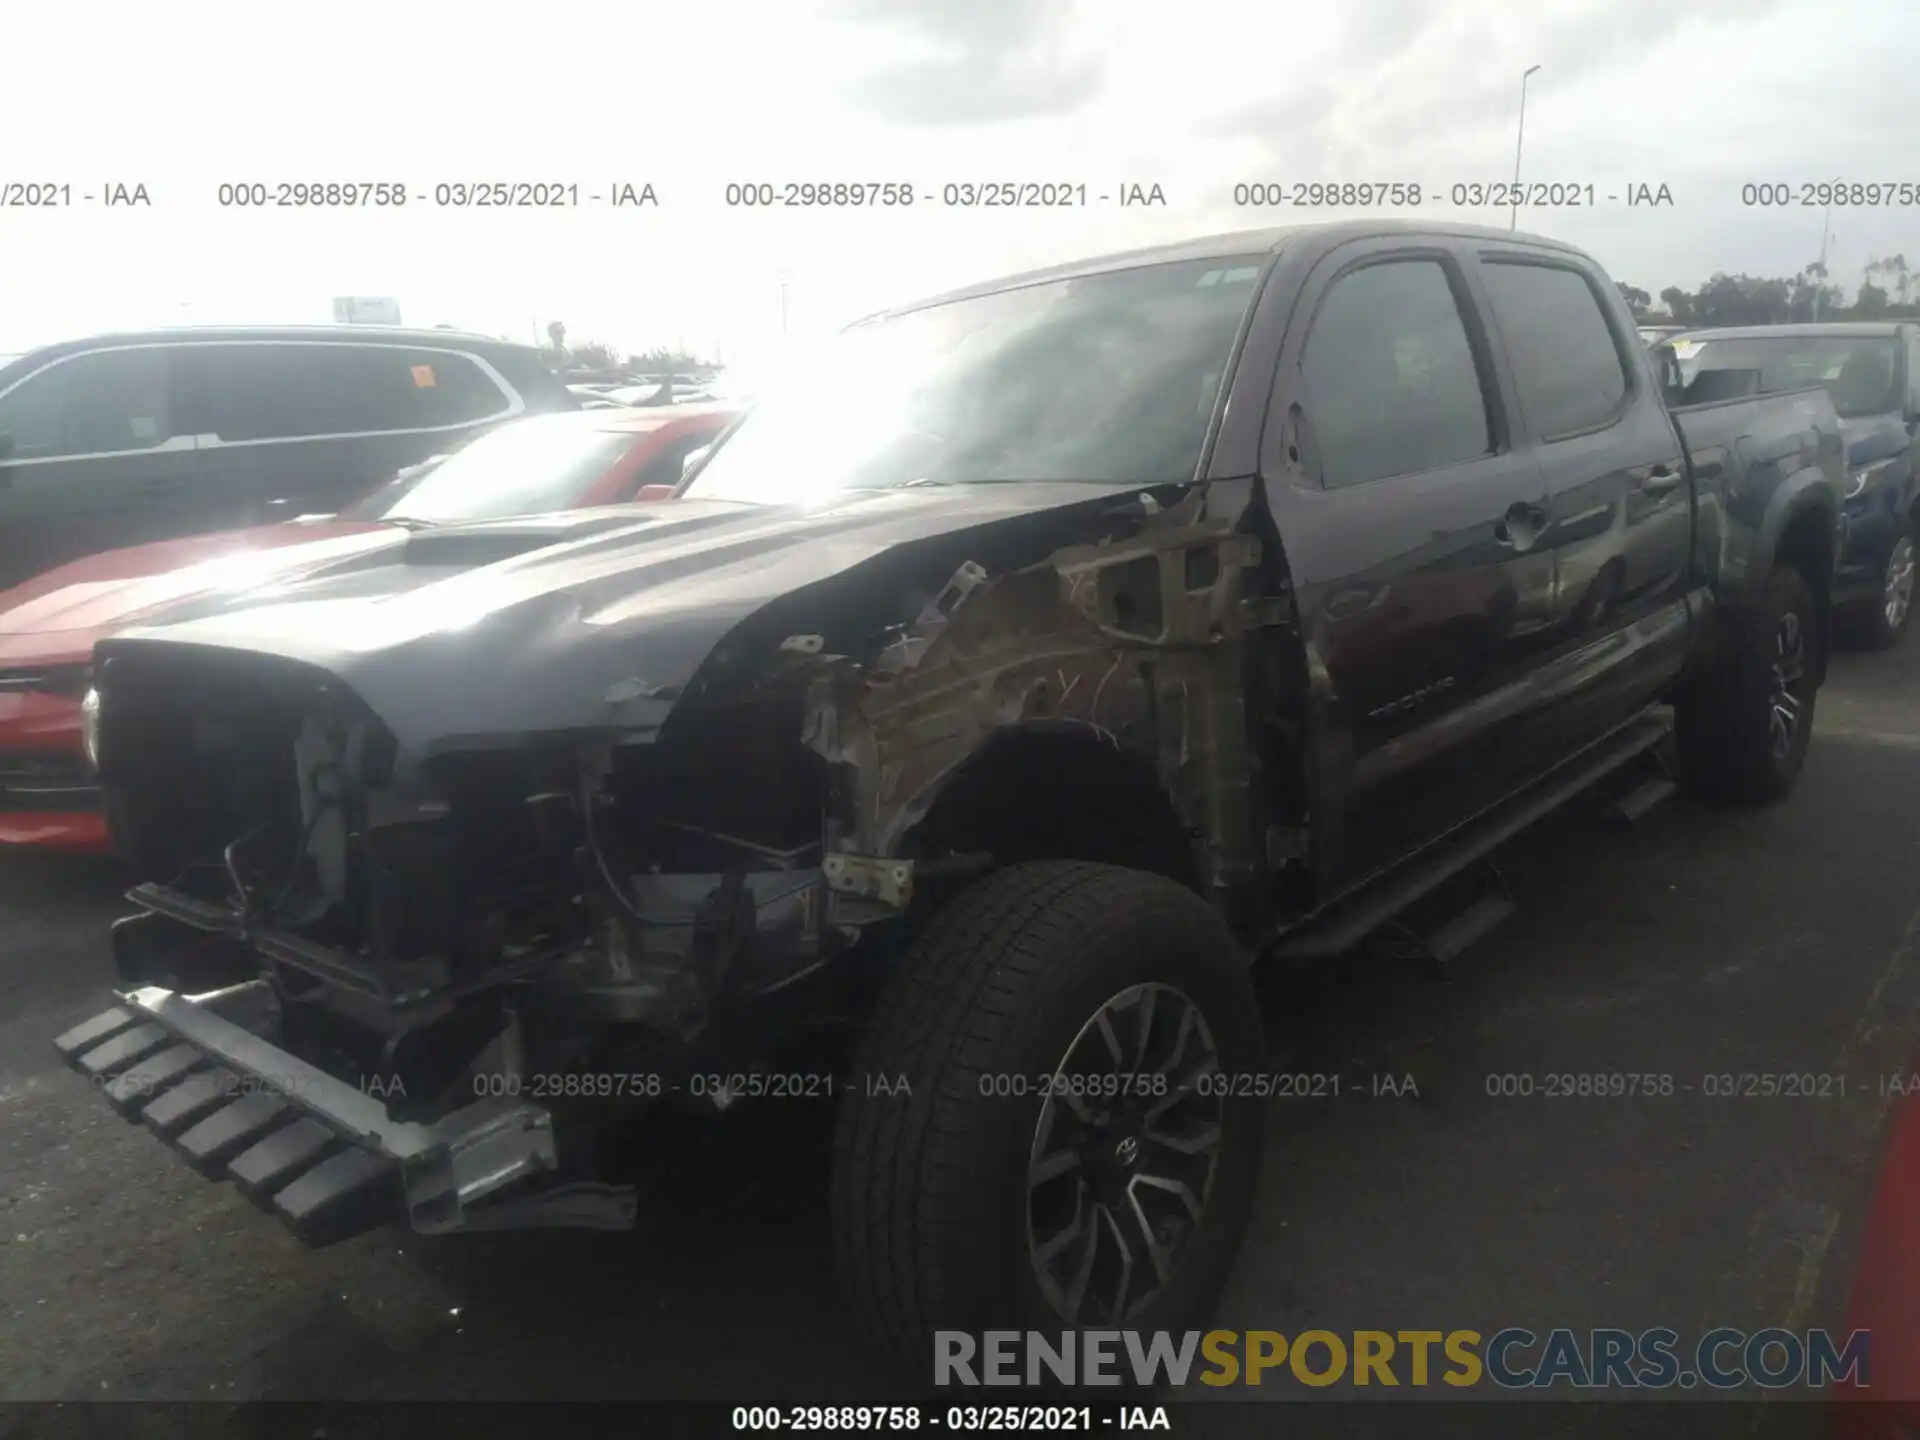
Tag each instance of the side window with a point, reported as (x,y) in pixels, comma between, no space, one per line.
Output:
(1566,360)
(283,392)
(1390,380)
(297,391)
(442,388)
(105,402)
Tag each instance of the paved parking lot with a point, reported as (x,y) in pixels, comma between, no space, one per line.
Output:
(1697,943)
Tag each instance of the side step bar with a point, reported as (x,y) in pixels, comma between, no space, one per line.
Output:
(1343,923)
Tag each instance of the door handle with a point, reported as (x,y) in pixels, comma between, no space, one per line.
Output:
(1521,527)
(1661,480)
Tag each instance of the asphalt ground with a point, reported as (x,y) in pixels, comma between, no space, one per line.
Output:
(1696,943)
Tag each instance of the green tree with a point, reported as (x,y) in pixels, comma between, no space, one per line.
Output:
(1638,300)
(1679,305)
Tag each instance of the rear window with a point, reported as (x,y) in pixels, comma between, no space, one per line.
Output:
(1860,373)
(284,391)
(1567,366)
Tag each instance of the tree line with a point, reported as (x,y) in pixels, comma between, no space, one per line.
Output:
(1889,291)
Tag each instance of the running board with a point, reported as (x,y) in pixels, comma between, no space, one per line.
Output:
(1341,925)
(1642,798)
(1469,927)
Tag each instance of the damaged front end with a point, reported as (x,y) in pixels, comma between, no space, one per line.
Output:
(370,979)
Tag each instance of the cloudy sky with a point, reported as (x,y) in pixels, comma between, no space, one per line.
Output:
(1191,95)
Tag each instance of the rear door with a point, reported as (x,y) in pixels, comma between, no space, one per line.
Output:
(308,427)
(1622,511)
(95,457)
(1411,518)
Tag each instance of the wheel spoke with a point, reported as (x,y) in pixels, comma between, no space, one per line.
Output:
(1148,1002)
(1052,1167)
(1104,1024)
(1189,1025)
(1083,1272)
(1200,1142)
(1123,1286)
(1044,1254)
(1174,1188)
(1158,1255)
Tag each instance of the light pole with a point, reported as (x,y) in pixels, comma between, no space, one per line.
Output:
(1513,220)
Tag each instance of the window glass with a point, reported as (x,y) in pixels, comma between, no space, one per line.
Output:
(293,391)
(104,402)
(1391,385)
(527,467)
(1104,378)
(1569,371)
(1859,372)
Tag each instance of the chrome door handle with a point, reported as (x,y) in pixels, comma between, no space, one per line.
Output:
(1660,480)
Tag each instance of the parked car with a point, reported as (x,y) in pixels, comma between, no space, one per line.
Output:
(955,757)
(1873,373)
(122,439)
(48,792)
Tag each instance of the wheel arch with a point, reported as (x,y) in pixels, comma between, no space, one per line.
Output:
(1060,790)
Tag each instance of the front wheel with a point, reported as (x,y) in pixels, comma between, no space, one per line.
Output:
(1040,1132)
(1743,725)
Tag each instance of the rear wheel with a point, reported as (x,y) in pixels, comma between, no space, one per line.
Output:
(1065,1152)
(1890,615)
(1743,725)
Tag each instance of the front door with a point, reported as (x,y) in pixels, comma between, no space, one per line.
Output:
(1412,523)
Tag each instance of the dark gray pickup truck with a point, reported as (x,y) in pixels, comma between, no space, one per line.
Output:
(954,756)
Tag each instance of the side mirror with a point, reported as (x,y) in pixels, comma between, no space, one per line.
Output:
(693,461)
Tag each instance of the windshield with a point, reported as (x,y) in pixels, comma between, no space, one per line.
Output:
(1109,378)
(1860,372)
(520,469)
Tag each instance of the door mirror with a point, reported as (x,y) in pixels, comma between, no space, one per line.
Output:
(693,461)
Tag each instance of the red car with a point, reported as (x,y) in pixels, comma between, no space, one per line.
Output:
(49,624)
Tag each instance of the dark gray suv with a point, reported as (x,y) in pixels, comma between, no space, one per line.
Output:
(124,439)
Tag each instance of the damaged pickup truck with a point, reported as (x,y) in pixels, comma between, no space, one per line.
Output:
(1144,625)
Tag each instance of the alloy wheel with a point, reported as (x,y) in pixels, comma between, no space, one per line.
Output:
(1124,1154)
(1787,688)
(1896,597)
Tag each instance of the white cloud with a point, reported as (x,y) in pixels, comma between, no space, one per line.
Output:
(1190,94)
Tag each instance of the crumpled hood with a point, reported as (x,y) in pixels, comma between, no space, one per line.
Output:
(596,625)
(55,618)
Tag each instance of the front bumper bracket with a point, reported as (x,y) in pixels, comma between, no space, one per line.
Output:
(321,1154)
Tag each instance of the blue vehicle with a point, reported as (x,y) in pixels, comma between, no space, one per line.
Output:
(1872,372)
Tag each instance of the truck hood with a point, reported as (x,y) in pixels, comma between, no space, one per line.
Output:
(593,622)
(1873,437)
(55,618)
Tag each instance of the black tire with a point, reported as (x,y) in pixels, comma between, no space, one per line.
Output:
(1730,749)
(930,1186)
(1879,629)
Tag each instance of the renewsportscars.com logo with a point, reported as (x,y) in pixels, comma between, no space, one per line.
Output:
(1513,1359)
